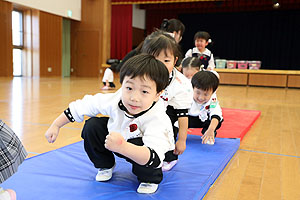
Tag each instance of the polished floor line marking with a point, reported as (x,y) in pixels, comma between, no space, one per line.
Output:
(276,154)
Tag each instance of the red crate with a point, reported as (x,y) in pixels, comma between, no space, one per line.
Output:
(231,64)
(242,65)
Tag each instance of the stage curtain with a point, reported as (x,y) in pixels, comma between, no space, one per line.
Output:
(121,30)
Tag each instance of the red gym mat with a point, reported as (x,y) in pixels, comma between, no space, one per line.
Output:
(236,123)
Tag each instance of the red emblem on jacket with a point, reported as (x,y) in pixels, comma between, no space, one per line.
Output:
(132,127)
(207,107)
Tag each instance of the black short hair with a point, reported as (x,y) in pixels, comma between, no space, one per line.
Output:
(193,62)
(172,25)
(146,65)
(113,67)
(160,41)
(202,34)
(205,80)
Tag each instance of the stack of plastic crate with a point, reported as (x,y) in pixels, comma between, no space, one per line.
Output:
(220,63)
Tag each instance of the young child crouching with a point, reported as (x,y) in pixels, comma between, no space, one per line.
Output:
(205,111)
(138,128)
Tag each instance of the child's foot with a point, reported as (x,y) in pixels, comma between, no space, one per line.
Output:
(7,194)
(168,165)
(105,88)
(104,174)
(147,188)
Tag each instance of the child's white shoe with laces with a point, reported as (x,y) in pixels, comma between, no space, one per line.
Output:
(104,174)
(147,188)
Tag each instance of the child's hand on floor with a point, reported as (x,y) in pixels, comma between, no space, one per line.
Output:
(179,147)
(52,133)
(115,142)
(209,135)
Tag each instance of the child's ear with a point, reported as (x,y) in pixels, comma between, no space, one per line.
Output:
(176,58)
(158,95)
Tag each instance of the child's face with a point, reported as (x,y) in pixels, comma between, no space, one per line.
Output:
(201,96)
(189,72)
(168,59)
(201,43)
(138,94)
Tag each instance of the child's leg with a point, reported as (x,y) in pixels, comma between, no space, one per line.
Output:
(94,134)
(206,125)
(112,85)
(170,156)
(195,122)
(149,174)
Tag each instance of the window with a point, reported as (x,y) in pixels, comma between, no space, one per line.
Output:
(17,32)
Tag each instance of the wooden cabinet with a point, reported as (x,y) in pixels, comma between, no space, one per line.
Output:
(271,78)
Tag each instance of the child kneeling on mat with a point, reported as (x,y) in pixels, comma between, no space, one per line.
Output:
(205,111)
(138,128)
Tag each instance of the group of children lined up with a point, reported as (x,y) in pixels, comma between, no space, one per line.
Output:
(150,114)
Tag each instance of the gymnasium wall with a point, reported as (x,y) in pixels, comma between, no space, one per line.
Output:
(42,53)
(138,25)
(6,62)
(50,44)
(90,39)
(56,7)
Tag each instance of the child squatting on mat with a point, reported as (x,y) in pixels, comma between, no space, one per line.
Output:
(205,111)
(138,129)
(177,96)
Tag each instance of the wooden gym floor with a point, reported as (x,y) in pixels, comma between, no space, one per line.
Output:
(267,165)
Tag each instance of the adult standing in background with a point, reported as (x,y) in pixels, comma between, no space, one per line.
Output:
(173,26)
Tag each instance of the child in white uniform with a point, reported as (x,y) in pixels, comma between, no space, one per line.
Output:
(108,77)
(202,39)
(205,112)
(177,96)
(191,65)
(138,128)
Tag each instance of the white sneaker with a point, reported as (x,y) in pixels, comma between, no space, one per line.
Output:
(147,188)
(168,165)
(7,194)
(104,174)
(105,88)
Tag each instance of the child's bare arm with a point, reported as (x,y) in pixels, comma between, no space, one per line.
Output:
(52,133)
(182,134)
(116,143)
(210,133)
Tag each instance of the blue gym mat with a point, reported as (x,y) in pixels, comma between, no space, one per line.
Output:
(67,173)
